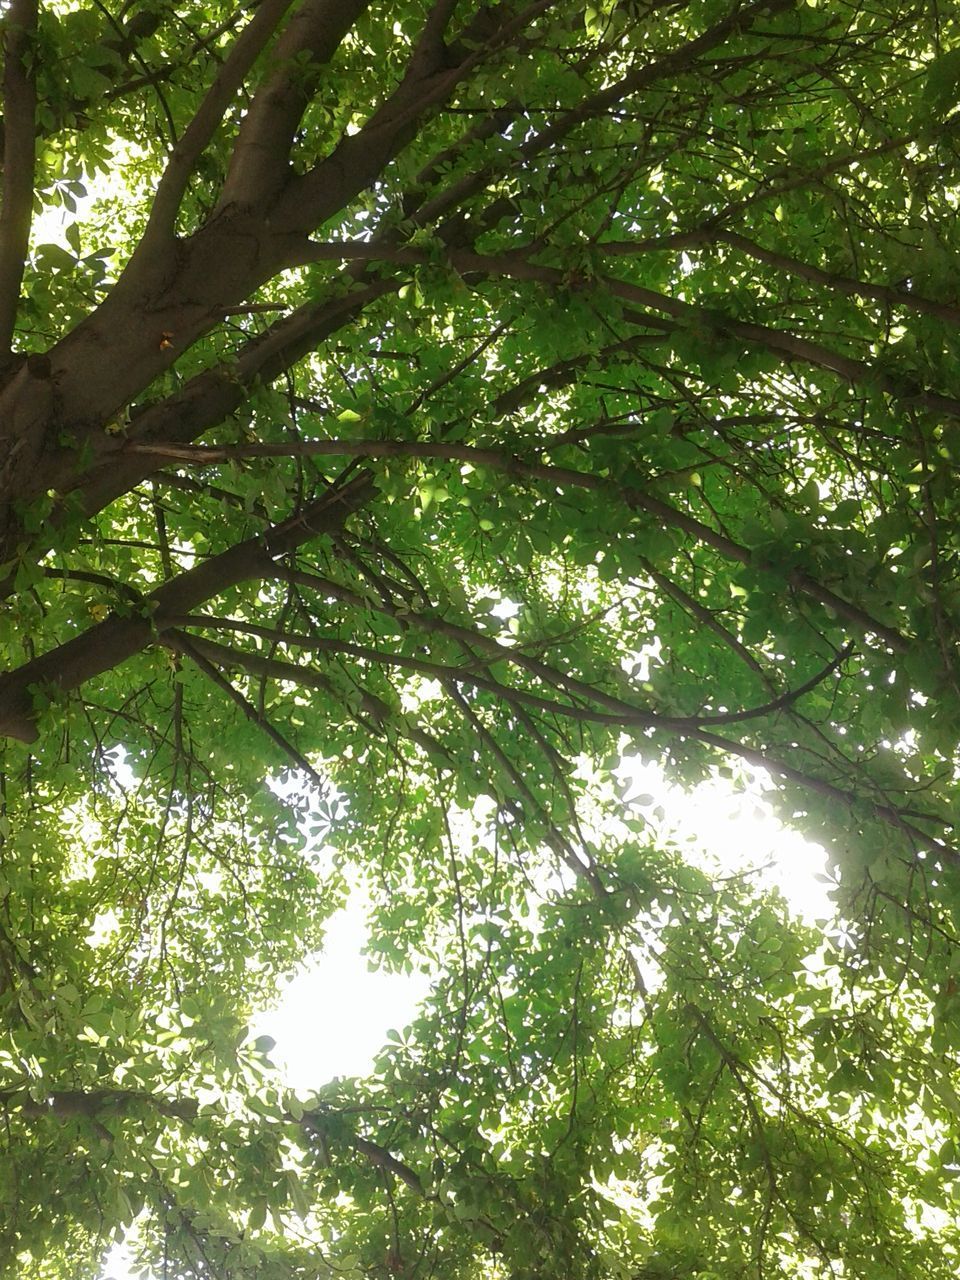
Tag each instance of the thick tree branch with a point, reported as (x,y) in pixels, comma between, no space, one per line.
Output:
(674,62)
(182,292)
(434,71)
(710,326)
(198,134)
(118,638)
(205,401)
(68,1104)
(382,1159)
(19,146)
(258,167)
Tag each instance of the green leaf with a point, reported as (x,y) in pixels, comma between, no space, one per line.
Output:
(295,1190)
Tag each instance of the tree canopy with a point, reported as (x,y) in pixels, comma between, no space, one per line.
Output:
(409,413)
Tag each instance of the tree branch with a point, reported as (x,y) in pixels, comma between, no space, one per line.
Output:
(619,712)
(198,134)
(433,72)
(259,164)
(517,265)
(116,639)
(510,464)
(67,1104)
(888,295)
(19,146)
(183,644)
(206,400)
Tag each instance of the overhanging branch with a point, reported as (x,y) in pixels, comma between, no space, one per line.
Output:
(115,640)
(70,1104)
(511,464)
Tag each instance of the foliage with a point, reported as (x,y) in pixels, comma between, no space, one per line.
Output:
(423,407)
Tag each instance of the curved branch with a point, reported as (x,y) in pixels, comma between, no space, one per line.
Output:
(517,265)
(889,295)
(499,460)
(620,712)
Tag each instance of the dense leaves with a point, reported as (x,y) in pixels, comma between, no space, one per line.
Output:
(408,414)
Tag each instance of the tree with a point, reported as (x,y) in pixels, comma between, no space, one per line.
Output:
(424,408)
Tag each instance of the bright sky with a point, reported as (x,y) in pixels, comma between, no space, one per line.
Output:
(732,828)
(334,1016)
